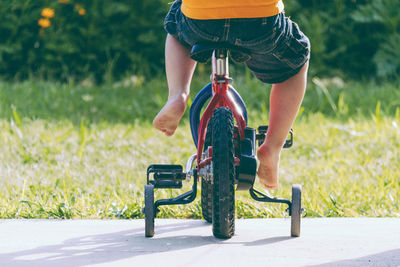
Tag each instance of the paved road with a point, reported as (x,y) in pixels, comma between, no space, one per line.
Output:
(258,242)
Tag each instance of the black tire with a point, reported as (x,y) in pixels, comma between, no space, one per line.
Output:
(296,210)
(206,185)
(223,160)
(206,199)
(149,210)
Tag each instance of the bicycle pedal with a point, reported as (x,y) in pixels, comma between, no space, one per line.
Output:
(262,131)
(260,137)
(166,175)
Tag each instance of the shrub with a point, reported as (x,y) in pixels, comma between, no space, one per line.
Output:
(80,38)
(103,40)
(356,38)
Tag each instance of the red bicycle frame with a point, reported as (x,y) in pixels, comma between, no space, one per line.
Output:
(221,97)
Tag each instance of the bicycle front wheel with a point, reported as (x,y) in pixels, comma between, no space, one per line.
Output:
(223,160)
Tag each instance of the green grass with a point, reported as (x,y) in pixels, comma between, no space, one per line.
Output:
(81,151)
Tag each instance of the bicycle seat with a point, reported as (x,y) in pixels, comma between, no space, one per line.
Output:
(202,52)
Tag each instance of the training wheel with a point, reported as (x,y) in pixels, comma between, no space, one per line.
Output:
(149,210)
(296,210)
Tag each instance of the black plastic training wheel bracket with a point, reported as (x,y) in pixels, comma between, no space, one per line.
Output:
(258,196)
(185,198)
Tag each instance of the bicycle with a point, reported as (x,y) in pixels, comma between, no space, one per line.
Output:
(225,154)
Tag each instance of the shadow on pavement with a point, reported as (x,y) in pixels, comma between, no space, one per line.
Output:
(105,248)
(387,258)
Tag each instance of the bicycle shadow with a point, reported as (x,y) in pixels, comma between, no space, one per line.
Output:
(106,248)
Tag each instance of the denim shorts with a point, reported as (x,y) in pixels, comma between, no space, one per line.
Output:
(277,47)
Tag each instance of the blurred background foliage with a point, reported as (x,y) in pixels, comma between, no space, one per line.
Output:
(100,39)
(111,40)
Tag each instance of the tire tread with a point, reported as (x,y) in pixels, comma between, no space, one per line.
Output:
(223,174)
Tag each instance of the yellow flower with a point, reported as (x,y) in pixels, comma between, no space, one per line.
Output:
(48,12)
(44,23)
(82,11)
(63,1)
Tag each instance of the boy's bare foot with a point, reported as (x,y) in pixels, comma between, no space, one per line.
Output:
(168,118)
(269,166)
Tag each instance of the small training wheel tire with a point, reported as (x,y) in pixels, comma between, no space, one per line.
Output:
(296,210)
(149,210)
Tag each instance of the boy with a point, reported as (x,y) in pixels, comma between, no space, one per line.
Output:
(279,55)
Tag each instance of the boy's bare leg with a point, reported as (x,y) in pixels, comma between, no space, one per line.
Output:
(285,101)
(179,68)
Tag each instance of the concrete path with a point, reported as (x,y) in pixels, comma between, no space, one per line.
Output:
(258,242)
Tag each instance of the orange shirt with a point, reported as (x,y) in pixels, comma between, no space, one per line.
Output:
(224,9)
